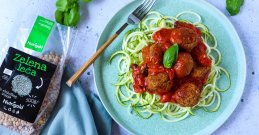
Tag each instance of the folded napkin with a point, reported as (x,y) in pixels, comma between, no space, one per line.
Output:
(78,113)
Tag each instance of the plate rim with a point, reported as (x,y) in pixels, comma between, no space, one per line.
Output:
(231,107)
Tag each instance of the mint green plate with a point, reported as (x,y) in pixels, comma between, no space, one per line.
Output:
(202,123)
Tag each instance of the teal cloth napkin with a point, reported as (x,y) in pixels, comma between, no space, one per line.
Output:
(78,113)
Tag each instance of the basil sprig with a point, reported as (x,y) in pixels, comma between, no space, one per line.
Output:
(170,56)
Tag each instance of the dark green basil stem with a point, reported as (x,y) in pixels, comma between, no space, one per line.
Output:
(170,56)
(233,6)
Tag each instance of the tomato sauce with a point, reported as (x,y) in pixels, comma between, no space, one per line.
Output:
(188,37)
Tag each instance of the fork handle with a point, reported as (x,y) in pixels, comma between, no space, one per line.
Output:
(76,76)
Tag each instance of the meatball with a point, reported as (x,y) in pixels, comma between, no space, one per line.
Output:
(187,95)
(199,53)
(162,36)
(179,24)
(186,38)
(152,54)
(183,65)
(159,83)
(200,73)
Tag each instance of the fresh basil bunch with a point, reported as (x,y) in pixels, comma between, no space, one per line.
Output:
(68,12)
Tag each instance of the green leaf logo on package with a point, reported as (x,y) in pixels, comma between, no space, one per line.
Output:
(39,34)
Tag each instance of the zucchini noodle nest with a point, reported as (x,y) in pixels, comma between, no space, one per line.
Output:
(145,105)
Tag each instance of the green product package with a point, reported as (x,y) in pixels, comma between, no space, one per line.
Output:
(43,27)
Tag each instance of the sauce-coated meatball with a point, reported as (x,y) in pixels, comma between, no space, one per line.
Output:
(159,83)
(200,55)
(187,95)
(162,35)
(152,54)
(186,38)
(200,72)
(183,65)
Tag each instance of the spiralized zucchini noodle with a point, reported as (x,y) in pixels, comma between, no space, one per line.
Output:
(145,105)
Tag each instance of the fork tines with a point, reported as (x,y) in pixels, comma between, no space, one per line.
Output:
(143,9)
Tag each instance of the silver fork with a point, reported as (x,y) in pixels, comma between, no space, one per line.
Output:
(134,18)
(138,14)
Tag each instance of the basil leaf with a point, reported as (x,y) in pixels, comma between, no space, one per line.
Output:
(72,17)
(59,16)
(62,5)
(170,56)
(233,6)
